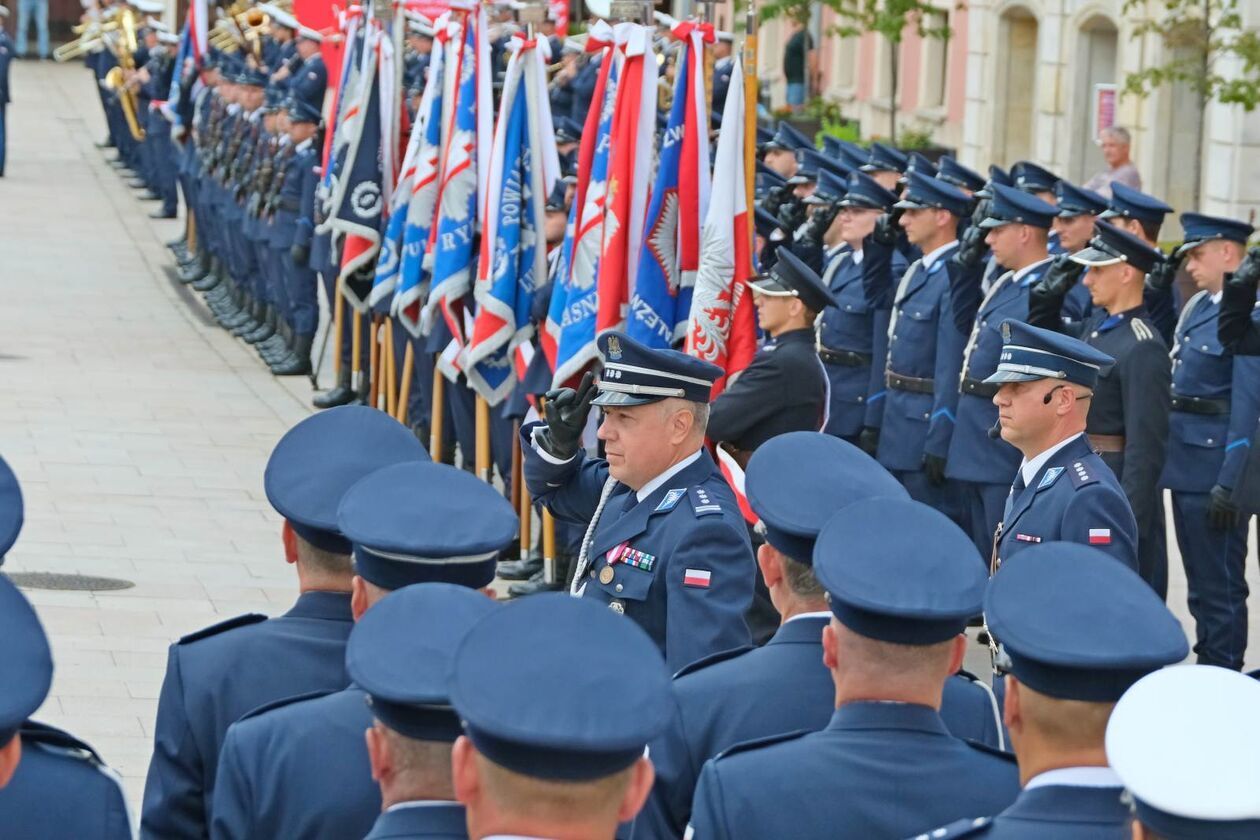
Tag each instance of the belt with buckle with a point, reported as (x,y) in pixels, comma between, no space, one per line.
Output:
(1197,405)
(844,358)
(913,384)
(1107,443)
(978,388)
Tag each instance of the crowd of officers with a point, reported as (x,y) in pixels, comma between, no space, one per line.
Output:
(964,414)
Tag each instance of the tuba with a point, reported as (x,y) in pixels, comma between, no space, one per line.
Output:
(115,79)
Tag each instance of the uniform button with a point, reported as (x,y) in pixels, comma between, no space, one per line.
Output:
(1210,440)
(619,587)
(1204,347)
(925,416)
(592,574)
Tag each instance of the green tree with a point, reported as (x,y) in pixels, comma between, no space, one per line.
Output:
(890,18)
(1199,37)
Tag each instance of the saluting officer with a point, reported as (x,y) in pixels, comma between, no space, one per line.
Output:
(1215,403)
(1128,417)
(1074,631)
(1184,742)
(523,770)
(51,784)
(665,542)
(784,389)
(410,523)
(902,582)
(216,675)
(401,654)
(981,464)
(886,165)
(1062,491)
(853,333)
(1077,209)
(795,483)
(925,345)
(1143,215)
(1239,321)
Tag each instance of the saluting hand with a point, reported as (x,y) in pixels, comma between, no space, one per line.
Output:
(1247,274)
(1164,273)
(566,411)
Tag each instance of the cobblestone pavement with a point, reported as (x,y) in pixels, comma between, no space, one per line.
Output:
(139,430)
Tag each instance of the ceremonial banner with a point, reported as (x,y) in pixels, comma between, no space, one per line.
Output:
(661,300)
(723,327)
(569,339)
(629,170)
(513,261)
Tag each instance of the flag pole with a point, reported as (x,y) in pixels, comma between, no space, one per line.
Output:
(391,394)
(404,388)
(339,317)
(439,409)
(374,362)
(750,109)
(549,547)
(356,352)
(483,439)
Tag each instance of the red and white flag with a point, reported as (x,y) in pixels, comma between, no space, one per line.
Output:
(734,475)
(1100,536)
(723,324)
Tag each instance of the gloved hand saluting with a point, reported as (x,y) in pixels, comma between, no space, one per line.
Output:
(566,411)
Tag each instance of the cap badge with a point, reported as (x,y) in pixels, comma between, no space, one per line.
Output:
(614,348)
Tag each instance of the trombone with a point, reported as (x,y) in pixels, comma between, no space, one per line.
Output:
(91,34)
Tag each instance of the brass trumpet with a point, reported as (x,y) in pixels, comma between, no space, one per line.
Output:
(90,34)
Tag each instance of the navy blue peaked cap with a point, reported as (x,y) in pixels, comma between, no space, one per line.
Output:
(401,652)
(796,481)
(952,172)
(1132,204)
(635,374)
(1030,353)
(322,457)
(1075,624)
(788,138)
(898,571)
(884,159)
(560,688)
(1010,205)
(1111,245)
(809,163)
(997,176)
(1078,201)
(830,188)
(916,162)
(923,191)
(1030,177)
(11,508)
(28,665)
(791,277)
(865,191)
(1200,228)
(421,522)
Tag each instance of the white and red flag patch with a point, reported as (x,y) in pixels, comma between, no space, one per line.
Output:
(697,577)
(1100,536)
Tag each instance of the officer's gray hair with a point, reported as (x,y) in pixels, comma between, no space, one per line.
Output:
(699,411)
(1118,133)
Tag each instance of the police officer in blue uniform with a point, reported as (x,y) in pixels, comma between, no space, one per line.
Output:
(521,769)
(886,165)
(1128,415)
(409,523)
(1196,725)
(1074,632)
(40,764)
(902,582)
(216,675)
(925,346)
(1062,491)
(1143,215)
(795,482)
(1215,404)
(401,653)
(951,171)
(982,465)
(723,67)
(1077,209)
(854,333)
(665,542)
(1238,327)
(784,389)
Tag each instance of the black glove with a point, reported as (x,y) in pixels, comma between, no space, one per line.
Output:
(981,211)
(301,255)
(934,469)
(566,411)
(819,223)
(888,227)
(1222,514)
(971,248)
(1164,273)
(1062,275)
(1247,274)
(868,440)
(791,216)
(775,199)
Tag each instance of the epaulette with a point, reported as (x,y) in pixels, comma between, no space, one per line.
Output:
(962,828)
(34,732)
(713,659)
(1081,474)
(1141,330)
(288,701)
(758,743)
(221,627)
(993,751)
(702,503)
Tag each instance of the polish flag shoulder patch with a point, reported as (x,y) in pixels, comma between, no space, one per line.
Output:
(1100,536)
(698,578)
